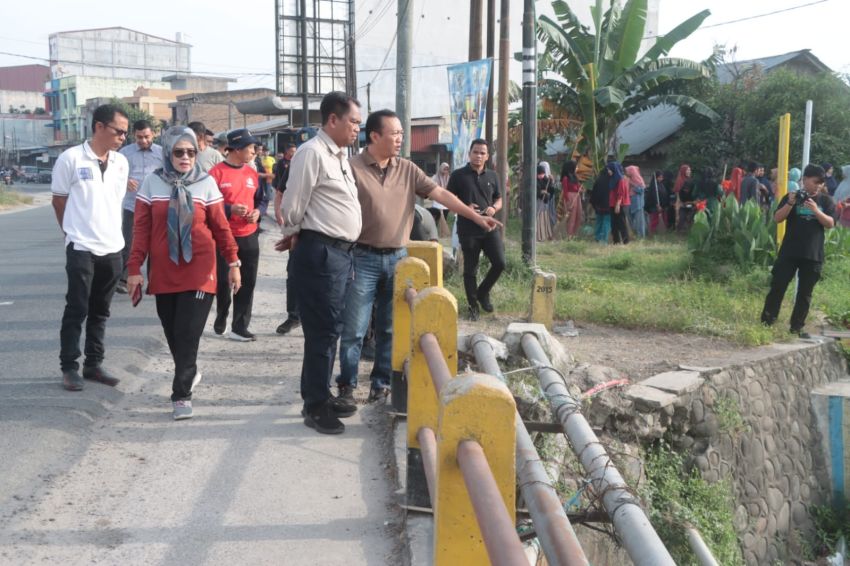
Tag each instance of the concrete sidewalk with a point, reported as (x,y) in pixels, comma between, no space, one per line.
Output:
(244,482)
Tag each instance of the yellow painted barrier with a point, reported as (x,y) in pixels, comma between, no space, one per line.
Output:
(409,273)
(434,312)
(472,407)
(432,254)
(543,298)
(782,164)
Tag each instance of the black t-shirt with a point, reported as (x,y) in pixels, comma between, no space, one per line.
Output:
(473,188)
(804,235)
(281,175)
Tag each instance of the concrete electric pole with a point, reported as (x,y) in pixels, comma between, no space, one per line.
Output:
(529,135)
(502,133)
(476,26)
(404,47)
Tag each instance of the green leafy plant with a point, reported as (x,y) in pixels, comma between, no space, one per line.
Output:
(735,234)
(831,523)
(729,415)
(603,75)
(678,499)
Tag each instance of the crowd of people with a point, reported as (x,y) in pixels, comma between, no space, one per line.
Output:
(625,204)
(189,209)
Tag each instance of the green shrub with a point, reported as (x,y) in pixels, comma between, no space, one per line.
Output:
(678,499)
(831,523)
(735,234)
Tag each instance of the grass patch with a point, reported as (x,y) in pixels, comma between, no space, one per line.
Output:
(655,284)
(678,499)
(12,198)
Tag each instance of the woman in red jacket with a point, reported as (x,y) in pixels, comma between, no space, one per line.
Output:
(179,220)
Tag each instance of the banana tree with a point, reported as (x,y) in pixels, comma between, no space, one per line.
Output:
(603,76)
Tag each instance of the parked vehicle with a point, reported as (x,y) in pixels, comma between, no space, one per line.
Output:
(28,174)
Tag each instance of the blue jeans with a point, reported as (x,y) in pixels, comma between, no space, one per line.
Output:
(373,284)
(603,227)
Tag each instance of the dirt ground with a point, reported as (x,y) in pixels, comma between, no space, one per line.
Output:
(638,354)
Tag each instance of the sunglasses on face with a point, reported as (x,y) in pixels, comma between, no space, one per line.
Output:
(118,132)
(180,152)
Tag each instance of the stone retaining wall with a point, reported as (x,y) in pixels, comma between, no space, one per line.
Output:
(754,424)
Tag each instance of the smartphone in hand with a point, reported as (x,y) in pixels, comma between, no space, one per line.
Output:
(137,296)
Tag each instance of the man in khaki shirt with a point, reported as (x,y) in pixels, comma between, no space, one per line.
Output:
(387,186)
(321,213)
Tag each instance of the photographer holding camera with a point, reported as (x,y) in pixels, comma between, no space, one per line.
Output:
(807,213)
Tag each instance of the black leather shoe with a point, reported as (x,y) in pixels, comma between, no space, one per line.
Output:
(378,394)
(344,404)
(288,325)
(220,324)
(323,419)
(100,375)
(71,380)
(484,301)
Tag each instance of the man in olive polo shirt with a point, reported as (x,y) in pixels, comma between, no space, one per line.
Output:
(387,186)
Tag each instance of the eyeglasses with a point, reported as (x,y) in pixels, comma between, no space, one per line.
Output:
(180,152)
(119,133)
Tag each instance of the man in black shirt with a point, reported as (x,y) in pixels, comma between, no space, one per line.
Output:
(478,187)
(806,216)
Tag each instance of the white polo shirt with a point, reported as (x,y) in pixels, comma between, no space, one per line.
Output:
(92,220)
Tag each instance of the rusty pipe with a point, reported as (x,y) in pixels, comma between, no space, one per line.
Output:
(428,448)
(556,535)
(436,364)
(497,526)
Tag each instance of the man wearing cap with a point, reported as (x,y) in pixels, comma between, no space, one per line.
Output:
(321,215)
(207,156)
(238,184)
(387,187)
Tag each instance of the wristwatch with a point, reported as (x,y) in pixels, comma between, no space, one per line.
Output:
(237,263)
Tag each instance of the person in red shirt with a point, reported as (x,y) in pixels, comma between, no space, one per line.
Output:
(619,201)
(179,221)
(239,186)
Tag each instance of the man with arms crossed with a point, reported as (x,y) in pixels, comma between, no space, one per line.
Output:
(387,187)
(144,158)
(89,182)
(322,215)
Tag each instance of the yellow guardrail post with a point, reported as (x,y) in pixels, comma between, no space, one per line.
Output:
(432,254)
(434,312)
(410,273)
(472,407)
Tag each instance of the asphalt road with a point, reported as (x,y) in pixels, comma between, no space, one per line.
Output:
(43,428)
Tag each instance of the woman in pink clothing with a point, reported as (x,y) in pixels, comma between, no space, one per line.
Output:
(571,198)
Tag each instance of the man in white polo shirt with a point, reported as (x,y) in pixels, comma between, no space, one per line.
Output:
(89,182)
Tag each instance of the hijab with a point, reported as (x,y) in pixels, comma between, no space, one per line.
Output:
(633,173)
(181,209)
(842,193)
(439,178)
(681,178)
(615,174)
(546,169)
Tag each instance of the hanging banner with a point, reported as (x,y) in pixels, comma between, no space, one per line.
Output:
(468,85)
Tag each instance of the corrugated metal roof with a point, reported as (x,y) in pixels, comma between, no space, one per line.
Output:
(422,137)
(728,71)
(645,129)
(26,78)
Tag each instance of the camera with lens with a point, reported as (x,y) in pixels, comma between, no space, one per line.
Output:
(802,196)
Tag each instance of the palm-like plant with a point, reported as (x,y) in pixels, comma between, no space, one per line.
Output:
(601,75)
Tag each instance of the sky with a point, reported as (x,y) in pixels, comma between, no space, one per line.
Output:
(240,42)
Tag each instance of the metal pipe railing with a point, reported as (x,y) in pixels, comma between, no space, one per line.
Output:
(701,550)
(497,527)
(428,448)
(556,535)
(639,539)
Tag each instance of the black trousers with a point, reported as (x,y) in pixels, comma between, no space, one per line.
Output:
(249,255)
(127,217)
(437,212)
(808,273)
(619,228)
(321,274)
(472,245)
(183,317)
(291,300)
(91,283)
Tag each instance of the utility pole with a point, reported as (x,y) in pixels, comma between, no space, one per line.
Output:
(491,52)
(476,20)
(502,134)
(305,100)
(529,135)
(404,48)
